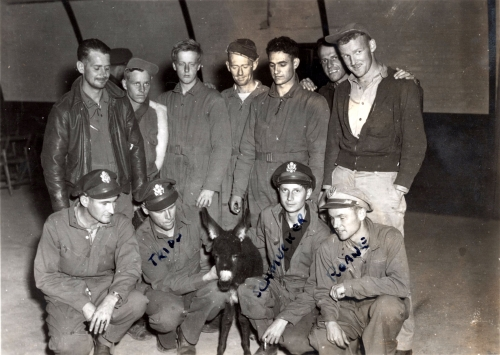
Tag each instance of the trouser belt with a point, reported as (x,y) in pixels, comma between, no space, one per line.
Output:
(271,157)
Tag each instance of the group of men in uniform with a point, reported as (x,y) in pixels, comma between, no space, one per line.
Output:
(284,152)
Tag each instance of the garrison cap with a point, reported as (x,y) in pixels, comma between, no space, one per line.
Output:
(349,28)
(158,194)
(119,56)
(294,173)
(138,63)
(343,196)
(245,47)
(99,184)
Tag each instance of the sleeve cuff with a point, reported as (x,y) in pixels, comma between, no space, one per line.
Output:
(401,188)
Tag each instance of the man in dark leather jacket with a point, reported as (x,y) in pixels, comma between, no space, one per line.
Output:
(93,127)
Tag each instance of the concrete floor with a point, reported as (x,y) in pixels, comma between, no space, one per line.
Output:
(454,262)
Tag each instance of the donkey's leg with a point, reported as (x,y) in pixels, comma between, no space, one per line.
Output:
(226,321)
(246,329)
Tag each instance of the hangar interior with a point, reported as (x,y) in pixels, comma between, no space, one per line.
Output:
(452,221)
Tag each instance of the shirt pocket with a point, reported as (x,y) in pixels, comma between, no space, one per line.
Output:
(72,261)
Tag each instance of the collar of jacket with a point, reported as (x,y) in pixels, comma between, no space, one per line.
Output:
(114,91)
(73,222)
(255,92)
(276,211)
(193,91)
(383,73)
(273,92)
(142,109)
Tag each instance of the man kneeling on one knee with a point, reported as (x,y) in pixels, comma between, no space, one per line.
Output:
(363,281)
(281,305)
(87,266)
(182,296)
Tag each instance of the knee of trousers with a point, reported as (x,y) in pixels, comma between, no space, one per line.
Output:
(388,309)
(133,309)
(168,317)
(71,344)
(255,304)
(296,345)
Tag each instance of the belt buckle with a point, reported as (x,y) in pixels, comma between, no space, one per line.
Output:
(178,149)
(269,157)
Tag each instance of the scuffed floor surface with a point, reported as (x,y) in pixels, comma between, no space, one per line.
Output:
(454,262)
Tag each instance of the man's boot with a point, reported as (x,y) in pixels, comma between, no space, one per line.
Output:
(267,349)
(183,346)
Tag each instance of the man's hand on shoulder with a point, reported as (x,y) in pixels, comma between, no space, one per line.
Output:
(308,84)
(403,74)
(336,335)
(273,333)
(102,315)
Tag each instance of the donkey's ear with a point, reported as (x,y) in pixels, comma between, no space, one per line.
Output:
(209,223)
(242,228)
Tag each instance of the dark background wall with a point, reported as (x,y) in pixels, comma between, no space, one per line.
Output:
(444,42)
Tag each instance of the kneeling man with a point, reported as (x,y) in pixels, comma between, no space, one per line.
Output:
(87,265)
(363,281)
(281,305)
(182,295)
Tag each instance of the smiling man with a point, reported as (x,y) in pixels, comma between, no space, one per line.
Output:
(92,127)
(363,280)
(87,266)
(182,293)
(288,235)
(286,123)
(376,138)
(242,60)
(199,145)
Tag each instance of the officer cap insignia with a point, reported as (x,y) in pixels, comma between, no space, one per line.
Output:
(105,177)
(331,192)
(291,167)
(158,190)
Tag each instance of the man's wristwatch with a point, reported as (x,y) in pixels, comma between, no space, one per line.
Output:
(114,293)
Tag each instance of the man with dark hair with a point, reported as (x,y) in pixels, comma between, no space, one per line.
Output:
(93,127)
(281,306)
(376,137)
(182,293)
(118,58)
(199,145)
(362,280)
(286,123)
(87,266)
(242,60)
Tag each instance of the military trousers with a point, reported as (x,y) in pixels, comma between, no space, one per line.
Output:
(166,311)
(376,322)
(389,207)
(263,309)
(68,328)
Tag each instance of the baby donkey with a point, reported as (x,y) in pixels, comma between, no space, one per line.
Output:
(236,258)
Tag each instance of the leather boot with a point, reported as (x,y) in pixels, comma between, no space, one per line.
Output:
(269,350)
(183,346)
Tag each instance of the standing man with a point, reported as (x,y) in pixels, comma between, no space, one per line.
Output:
(242,60)
(363,280)
(151,116)
(93,127)
(119,58)
(334,69)
(281,306)
(286,123)
(182,294)
(376,138)
(87,266)
(199,145)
